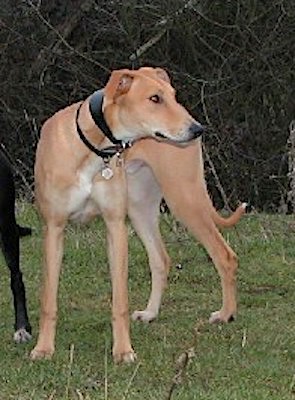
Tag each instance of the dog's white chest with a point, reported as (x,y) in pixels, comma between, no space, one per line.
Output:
(82,203)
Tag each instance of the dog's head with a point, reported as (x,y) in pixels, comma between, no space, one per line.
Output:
(142,103)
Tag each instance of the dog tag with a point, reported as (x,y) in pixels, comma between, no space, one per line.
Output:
(107,173)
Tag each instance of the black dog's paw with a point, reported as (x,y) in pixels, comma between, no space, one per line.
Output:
(22,335)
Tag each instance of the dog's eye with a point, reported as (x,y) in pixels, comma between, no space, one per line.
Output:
(156,99)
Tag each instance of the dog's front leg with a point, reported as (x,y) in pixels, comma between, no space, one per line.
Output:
(53,251)
(118,257)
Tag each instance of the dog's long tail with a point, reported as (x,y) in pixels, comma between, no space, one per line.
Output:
(24,231)
(227,222)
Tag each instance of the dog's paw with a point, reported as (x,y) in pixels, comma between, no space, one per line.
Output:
(144,316)
(124,357)
(221,317)
(39,354)
(22,336)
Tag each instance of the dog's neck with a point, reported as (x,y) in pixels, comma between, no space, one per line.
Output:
(87,125)
(94,132)
(96,111)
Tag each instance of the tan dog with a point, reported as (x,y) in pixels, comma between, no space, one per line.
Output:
(73,183)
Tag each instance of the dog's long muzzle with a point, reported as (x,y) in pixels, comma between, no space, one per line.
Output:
(195,130)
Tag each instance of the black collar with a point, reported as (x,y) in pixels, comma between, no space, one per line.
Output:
(95,108)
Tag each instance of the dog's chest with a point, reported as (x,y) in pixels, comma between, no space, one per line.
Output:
(83,201)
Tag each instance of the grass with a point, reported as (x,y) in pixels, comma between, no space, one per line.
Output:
(180,356)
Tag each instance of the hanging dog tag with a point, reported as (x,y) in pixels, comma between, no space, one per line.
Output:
(107,173)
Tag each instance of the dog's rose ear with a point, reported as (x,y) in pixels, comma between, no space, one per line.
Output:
(119,83)
(162,74)
(124,83)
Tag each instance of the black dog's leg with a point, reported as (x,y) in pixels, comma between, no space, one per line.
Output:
(10,245)
(10,233)
(24,231)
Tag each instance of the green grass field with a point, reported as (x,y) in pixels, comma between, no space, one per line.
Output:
(180,356)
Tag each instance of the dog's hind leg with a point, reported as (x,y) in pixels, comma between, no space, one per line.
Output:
(225,261)
(10,245)
(53,251)
(9,240)
(144,197)
(190,208)
(180,174)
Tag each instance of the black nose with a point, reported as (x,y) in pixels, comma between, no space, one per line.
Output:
(196,129)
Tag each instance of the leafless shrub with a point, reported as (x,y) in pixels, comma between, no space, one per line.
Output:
(232,63)
(291,164)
